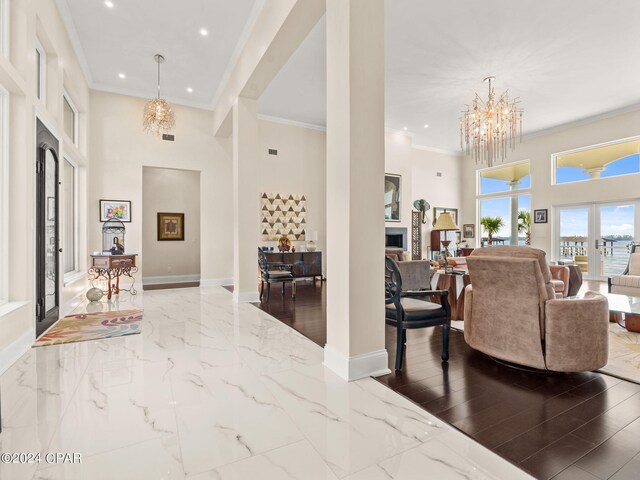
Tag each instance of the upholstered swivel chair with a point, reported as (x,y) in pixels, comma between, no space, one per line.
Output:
(512,313)
(410,309)
(628,283)
(275,273)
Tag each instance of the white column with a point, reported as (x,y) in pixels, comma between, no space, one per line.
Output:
(513,185)
(355,188)
(246,201)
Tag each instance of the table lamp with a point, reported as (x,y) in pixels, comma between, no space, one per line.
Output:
(445,223)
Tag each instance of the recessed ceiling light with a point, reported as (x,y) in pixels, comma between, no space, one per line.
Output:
(204,32)
(189,89)
(122,75)
(404,128)
(109,4)
(426,126)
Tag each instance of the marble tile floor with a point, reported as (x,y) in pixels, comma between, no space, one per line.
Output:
(215,390)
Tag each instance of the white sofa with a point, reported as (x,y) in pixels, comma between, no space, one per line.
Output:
(629,282)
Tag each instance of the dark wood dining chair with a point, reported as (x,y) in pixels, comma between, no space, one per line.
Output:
(410,309)
(271,272)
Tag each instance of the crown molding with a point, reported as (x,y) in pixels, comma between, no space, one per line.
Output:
(455,153)
(583,121)
(74,38)
(144,95)
(293,123)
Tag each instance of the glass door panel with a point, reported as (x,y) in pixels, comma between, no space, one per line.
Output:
(574,245)
(616,232)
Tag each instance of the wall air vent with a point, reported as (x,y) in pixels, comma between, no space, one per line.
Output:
(273,151)
(168,137)
(438,174)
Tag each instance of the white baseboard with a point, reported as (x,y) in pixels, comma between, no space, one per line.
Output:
(216,282)
(170,279)
(372,364)
(246,297)
(13,351)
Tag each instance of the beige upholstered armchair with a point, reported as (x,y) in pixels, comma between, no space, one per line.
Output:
(629,282)
(512,313)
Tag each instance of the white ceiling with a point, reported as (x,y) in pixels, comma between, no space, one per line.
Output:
(124,39)
(567,60)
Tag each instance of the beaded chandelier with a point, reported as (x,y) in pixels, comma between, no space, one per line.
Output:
(489,127)
(158,116)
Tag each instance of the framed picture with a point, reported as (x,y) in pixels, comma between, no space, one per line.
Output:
(392,185)
(170,227)
(438,210)
(469,230)
(120,209)
(540,216)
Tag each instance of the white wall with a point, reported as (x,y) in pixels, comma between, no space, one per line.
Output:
(172,191)
(443,191)
(544,195)
(119,151)
(29,20)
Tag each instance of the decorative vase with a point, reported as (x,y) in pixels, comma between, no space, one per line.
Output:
(284,244)
(94,294)
(311,246)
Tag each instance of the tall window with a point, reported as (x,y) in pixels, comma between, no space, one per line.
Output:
(612,159)
(69,217)
(41,72)
(504,204)
(70,119)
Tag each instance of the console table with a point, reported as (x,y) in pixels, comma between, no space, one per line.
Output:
(455,284)
(112,267)
(305,264)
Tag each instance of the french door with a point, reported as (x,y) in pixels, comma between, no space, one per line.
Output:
(47,243)
(597,236)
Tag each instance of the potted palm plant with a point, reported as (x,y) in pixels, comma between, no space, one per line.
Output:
(524,225)
(491,225)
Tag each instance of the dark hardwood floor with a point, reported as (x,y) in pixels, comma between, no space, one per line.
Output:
(561,426)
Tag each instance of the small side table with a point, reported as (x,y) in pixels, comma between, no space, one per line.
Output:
(112,267)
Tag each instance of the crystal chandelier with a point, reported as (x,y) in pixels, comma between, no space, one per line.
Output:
(158,116)
(488,128)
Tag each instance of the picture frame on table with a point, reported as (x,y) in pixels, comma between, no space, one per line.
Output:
(541,216)
(392,197)
(119,209)
(170,227)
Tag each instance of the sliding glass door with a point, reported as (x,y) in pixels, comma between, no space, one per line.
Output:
(597,236)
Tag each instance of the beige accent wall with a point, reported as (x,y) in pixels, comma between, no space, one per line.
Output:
(174,191)
(538,151)
(120,150)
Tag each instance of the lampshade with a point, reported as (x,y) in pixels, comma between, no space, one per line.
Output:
(445,222)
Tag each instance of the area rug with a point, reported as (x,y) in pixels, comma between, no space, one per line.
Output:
(91,326)
(624,352)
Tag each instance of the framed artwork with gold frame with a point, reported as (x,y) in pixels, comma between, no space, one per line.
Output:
(170,226)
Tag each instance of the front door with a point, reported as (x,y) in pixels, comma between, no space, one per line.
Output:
(47,249)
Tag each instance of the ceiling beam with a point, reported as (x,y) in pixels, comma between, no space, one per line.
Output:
(278,32)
